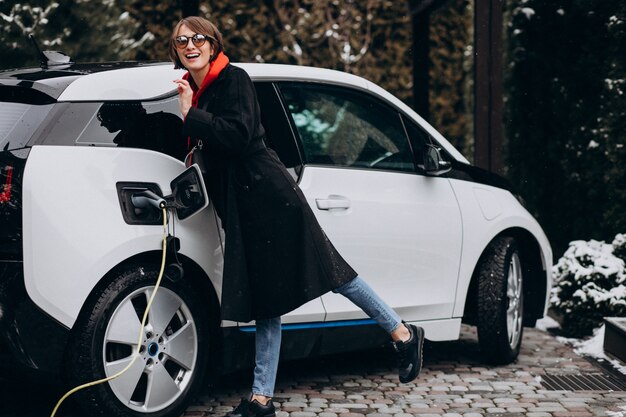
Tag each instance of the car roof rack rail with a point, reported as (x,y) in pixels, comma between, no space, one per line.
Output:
(50,58)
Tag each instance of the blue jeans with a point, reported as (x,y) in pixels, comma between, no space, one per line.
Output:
(268,332)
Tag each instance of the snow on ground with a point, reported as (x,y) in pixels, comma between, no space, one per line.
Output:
(617,413)
(546,323)
(592,347)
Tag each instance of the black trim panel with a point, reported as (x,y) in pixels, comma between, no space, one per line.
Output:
(466,172)
(302,343)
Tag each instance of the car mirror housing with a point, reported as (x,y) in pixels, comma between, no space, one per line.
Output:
(434,164)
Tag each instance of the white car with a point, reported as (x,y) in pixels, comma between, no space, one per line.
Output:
(441,241)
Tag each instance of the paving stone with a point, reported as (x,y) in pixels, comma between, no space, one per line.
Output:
(332,392)
(389,411)
(291,409)
(482,404)
(337,410)
(302,414)
(480,388)
(318,400)
(294,404)
(546,409)
(414,410)
(498,414)
(452,384)
(419,405)
(515,410)
(348,405)
(500,401)
(193,408)
(533,396)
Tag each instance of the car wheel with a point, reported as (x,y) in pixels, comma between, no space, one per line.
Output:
(173,352)
(500,301)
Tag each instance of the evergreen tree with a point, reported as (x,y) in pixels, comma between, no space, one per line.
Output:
(369,38)
(614,120)
(85,30)
(451,74)
(564,118)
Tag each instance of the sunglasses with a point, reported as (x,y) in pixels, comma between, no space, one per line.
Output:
(197,39)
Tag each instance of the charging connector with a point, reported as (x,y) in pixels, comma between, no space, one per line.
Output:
(147,198)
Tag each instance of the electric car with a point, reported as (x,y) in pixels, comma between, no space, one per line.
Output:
(442,241)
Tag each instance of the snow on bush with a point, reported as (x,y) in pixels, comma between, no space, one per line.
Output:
(589,284)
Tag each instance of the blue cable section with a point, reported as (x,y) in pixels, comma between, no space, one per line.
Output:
(317,325)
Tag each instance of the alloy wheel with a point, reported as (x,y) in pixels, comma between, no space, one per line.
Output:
(514,295)
(167,354)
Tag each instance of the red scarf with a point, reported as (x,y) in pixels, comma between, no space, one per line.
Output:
(214,70)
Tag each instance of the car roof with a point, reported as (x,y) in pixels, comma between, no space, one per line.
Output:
(54,80)
(121,81)
(154,82)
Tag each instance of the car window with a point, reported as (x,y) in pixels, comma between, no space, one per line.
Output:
(21,114)
(278,133)
(342,127)
(419,139)
(154,125)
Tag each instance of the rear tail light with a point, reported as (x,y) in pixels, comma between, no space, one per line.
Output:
(6,182)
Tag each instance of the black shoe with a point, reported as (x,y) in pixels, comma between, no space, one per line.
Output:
(247,408)
(410,354)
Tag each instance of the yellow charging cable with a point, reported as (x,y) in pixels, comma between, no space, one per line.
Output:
(143,323)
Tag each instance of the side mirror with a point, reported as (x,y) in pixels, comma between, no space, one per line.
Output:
(189,194)
(434,164)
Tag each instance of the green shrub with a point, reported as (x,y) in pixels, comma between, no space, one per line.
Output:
(589,284)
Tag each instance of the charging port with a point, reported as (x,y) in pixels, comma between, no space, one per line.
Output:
(136,202)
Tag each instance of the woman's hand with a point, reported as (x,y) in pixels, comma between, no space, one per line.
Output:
(185,93)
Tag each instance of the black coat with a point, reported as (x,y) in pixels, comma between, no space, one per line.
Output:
(276,255)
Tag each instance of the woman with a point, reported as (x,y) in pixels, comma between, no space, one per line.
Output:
(276,256)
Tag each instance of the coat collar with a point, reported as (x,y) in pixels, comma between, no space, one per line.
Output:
(215,70)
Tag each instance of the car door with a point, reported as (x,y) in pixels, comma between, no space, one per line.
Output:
(280,138)
(399,229)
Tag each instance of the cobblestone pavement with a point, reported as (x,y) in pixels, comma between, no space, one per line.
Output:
(454,382)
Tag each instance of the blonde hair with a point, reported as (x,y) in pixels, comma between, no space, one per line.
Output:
(198,25)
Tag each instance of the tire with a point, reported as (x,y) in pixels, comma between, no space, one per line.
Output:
(500,302)
(173,357)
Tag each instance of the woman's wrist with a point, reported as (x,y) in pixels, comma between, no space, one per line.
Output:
(185,111)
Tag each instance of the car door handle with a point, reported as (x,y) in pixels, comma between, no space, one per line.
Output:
(333,202)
